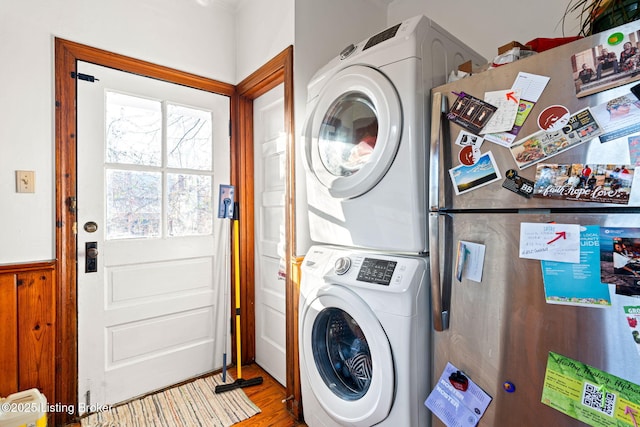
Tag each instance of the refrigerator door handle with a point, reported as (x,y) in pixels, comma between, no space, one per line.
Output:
(440,283)
(439,109)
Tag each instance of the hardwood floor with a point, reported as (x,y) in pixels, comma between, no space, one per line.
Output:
(268,396)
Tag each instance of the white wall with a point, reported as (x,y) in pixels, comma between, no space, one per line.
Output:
(486,25)
(263,30)
(201,37)
(191,35)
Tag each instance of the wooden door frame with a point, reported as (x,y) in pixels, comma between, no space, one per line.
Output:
(276,71)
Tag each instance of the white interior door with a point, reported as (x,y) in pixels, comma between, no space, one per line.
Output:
(151,157)
(270,173)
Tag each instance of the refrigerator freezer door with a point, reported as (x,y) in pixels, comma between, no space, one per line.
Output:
(502,330)
(560,90)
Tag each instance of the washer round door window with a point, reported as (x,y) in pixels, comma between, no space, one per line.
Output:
(347,356)
(341,353)
(355,131)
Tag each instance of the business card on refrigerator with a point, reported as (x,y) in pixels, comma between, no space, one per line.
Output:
(471,113)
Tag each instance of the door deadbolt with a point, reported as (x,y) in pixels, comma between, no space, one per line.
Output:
(90,227)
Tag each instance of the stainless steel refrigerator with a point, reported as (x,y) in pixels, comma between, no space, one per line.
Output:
(500,330)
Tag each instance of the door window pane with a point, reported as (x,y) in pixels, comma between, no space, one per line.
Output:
(134,201)
(189,135)
(189,205)
(133,130)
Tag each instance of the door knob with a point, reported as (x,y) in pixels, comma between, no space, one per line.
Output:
(91,258)
(92,253)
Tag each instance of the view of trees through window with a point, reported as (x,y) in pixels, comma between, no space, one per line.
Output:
(158,162)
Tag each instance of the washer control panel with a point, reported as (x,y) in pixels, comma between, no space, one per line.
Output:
(378,271)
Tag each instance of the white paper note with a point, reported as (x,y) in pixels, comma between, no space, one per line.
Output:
(550,242)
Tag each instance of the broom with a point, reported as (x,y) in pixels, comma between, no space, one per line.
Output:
(240,382)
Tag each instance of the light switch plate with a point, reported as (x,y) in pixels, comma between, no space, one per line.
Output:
(25,181)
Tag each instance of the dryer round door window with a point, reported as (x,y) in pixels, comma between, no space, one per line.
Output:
(355,131)
(347,357)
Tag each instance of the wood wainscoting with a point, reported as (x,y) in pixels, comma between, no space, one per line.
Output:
(27,328)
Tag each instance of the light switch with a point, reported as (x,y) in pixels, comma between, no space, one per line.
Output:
(25,182)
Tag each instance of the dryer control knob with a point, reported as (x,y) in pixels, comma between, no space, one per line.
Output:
(342,265)
(347,51)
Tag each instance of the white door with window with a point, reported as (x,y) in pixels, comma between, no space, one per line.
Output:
(270,171)
(152,258)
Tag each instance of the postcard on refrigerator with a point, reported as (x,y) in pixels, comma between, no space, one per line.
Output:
(578,284)
(620,258)
(632,317)
(550,241)
(466,178)
(588,394)
(457,400)
(584,183)
(542,145)
(619,116)
(607,66)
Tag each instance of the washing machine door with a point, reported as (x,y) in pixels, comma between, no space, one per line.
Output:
(353,132)
(347,357)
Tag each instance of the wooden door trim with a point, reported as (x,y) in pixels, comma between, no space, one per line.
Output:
(278,70)
(67,54)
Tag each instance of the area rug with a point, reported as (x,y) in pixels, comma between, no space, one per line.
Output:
(191,404)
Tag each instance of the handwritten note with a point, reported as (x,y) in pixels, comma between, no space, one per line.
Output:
(550,242)
(507,102)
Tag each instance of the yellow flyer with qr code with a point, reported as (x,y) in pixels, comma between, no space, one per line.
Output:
(589,394)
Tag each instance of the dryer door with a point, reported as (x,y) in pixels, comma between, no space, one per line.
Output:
(353,133)
(347,356)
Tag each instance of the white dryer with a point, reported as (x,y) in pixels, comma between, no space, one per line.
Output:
(364,137)
(364,333)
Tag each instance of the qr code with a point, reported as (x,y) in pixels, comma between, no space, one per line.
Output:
(596,398)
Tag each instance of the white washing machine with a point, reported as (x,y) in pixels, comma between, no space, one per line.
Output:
(364,332)
(364,136)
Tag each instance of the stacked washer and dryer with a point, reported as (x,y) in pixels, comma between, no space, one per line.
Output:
(364,313)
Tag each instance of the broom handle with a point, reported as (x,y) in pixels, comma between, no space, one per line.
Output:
(236,260)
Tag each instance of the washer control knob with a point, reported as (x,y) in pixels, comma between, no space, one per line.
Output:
(347,51)
(342,265)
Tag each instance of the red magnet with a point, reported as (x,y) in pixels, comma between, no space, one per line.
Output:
(459,381)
